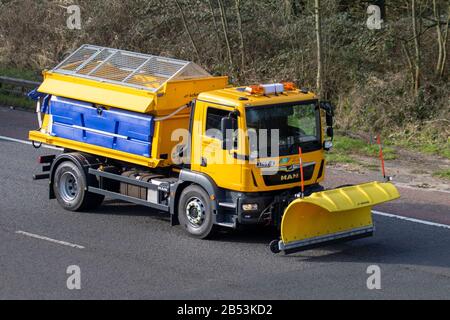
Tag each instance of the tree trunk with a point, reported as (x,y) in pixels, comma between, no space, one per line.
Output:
(186,27)
(216,25)
(223,17)
(439,38)
(417,48)
(444,45)
(241,35)
(409,61)
(319,48)
(288,9)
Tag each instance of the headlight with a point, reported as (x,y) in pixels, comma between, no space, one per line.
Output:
(250,207)
(328,145)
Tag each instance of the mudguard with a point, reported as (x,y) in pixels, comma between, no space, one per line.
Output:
(333,215)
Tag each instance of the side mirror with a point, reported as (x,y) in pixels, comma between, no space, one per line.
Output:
(330,132)
(227,125)
(329,115)
(329,120)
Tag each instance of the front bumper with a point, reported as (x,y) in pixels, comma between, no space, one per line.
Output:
(271,205)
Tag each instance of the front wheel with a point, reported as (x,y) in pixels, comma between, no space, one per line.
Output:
(195,212)
(70,186)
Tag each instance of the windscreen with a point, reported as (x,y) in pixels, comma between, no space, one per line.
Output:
(284,126)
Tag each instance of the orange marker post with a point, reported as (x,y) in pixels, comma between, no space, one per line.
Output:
(381,156)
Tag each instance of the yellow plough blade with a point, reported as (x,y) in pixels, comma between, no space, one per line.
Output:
(334,215)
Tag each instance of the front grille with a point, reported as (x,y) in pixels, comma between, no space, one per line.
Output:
(289,176)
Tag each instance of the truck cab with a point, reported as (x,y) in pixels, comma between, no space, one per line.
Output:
(247,161)
(248,143)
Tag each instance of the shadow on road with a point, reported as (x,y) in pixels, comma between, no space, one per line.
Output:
(248,234)
(389,246)
(120,208)
(392,244)
(245,234)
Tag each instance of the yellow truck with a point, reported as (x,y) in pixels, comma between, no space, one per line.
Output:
(165,134)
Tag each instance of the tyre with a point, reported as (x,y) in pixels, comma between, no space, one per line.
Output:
(70,186)
(195,213)
(274,246)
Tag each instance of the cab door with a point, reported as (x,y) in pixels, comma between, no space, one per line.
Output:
(209,157)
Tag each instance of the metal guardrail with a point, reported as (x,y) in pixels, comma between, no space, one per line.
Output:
(13,92)
(17,86)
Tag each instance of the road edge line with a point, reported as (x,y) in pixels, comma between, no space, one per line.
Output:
(428,223)
(36,236)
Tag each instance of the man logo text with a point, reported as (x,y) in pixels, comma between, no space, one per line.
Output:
(290,177)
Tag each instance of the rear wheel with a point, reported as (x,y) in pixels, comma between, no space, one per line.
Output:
(70,186)
(195,212)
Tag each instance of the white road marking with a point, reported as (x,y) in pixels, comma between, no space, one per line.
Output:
(428,223)
(27,143)
(64,243)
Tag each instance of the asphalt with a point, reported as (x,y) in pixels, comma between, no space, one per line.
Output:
(131,252)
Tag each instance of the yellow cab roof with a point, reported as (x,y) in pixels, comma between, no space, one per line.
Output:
(235,97)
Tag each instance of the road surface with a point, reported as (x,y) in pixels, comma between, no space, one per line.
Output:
(130,252)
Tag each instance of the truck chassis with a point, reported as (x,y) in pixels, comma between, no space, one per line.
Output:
(159,189)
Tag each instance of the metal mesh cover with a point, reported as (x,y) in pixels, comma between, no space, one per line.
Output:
(131,69)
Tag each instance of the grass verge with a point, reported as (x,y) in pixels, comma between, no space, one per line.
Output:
(345,145)
(444,174)
(346,150)
(15,101)
(428,147)
(25,74)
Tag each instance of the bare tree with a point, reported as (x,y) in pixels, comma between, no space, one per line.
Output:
(415,28)
(186,27)
(319,47)
(241,34)
(444,44)
(288,9)
(216,25)
(223,17)
(408,60)
(292,8)
(437,17)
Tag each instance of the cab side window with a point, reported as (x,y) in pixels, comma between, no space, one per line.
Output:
(213,122)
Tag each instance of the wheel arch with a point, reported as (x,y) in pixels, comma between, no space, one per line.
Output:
(82,161)
(188,178)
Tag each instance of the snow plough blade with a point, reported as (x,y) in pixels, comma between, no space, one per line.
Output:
(332,216)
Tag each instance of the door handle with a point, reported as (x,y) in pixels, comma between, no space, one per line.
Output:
(204,162)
